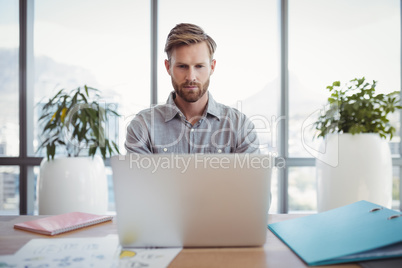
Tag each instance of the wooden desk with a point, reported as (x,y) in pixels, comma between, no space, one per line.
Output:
(273,254)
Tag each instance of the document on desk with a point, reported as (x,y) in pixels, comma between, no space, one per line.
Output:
(144,257)
(86,252)
(71,252)
(356,232)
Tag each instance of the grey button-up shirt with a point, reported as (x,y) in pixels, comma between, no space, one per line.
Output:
(164,129)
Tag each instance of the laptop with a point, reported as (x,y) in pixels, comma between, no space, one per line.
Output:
(192,200)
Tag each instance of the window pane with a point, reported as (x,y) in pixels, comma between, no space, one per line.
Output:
(274,192)
(9,44)
(302,189)
(338,40)
(103,44)
(246,73)
(9,190)
(111,203)
(396,188)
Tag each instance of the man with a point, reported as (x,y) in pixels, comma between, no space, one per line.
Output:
(190,121)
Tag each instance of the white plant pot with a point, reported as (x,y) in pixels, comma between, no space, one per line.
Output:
(72,184)
(362,171)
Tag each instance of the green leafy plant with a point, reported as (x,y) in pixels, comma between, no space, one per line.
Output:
(76,121)
(355,108)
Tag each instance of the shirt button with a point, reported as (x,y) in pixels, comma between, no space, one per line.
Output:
(219,151)
(192,130)
(165,149)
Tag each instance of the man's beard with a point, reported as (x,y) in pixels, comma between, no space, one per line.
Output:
(190,95)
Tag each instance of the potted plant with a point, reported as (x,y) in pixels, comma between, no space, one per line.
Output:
(74,124)
(355,129)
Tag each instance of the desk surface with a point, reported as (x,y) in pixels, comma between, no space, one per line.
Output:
(274,253)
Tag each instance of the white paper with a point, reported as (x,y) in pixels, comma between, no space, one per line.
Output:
(8,261)
(150,258)
(95,252)
(69,252)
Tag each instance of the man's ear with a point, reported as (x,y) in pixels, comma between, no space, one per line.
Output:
(213,64)
(167,66)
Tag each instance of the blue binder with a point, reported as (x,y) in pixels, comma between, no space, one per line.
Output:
(356,232)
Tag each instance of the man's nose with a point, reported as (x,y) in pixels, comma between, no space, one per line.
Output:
(190,74)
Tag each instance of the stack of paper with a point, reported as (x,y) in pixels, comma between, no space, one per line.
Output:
(86,252)
(65,252)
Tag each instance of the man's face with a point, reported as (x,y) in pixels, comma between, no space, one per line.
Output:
(190,68)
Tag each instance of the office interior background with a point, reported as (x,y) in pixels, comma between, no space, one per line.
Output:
(274,61)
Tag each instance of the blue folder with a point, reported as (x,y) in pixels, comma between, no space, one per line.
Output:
(356,232)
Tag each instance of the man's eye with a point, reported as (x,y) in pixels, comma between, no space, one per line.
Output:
(182,66)
(200,66)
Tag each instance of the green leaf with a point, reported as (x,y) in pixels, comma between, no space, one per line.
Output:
(358,109)
(86,124)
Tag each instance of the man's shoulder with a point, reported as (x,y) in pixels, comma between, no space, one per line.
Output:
(221,109)
(160,110)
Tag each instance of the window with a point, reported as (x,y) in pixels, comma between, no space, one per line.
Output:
(9,43)
(102,44)
(246,74)
(9,113)
(337,41)
(9,190)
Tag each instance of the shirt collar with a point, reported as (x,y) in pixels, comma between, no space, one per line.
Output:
(172,110)
(213,108)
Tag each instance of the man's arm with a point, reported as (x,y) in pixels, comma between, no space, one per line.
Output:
(247,139)
(137,138)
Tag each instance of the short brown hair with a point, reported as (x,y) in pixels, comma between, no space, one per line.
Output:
(187,34)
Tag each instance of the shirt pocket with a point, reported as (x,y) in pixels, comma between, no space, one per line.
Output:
(204,150)
(165,150)
(217,150)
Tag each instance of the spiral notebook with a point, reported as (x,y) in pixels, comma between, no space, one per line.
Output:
(62,223)
(357,232)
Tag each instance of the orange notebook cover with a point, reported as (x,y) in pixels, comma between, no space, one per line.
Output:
(62,223)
